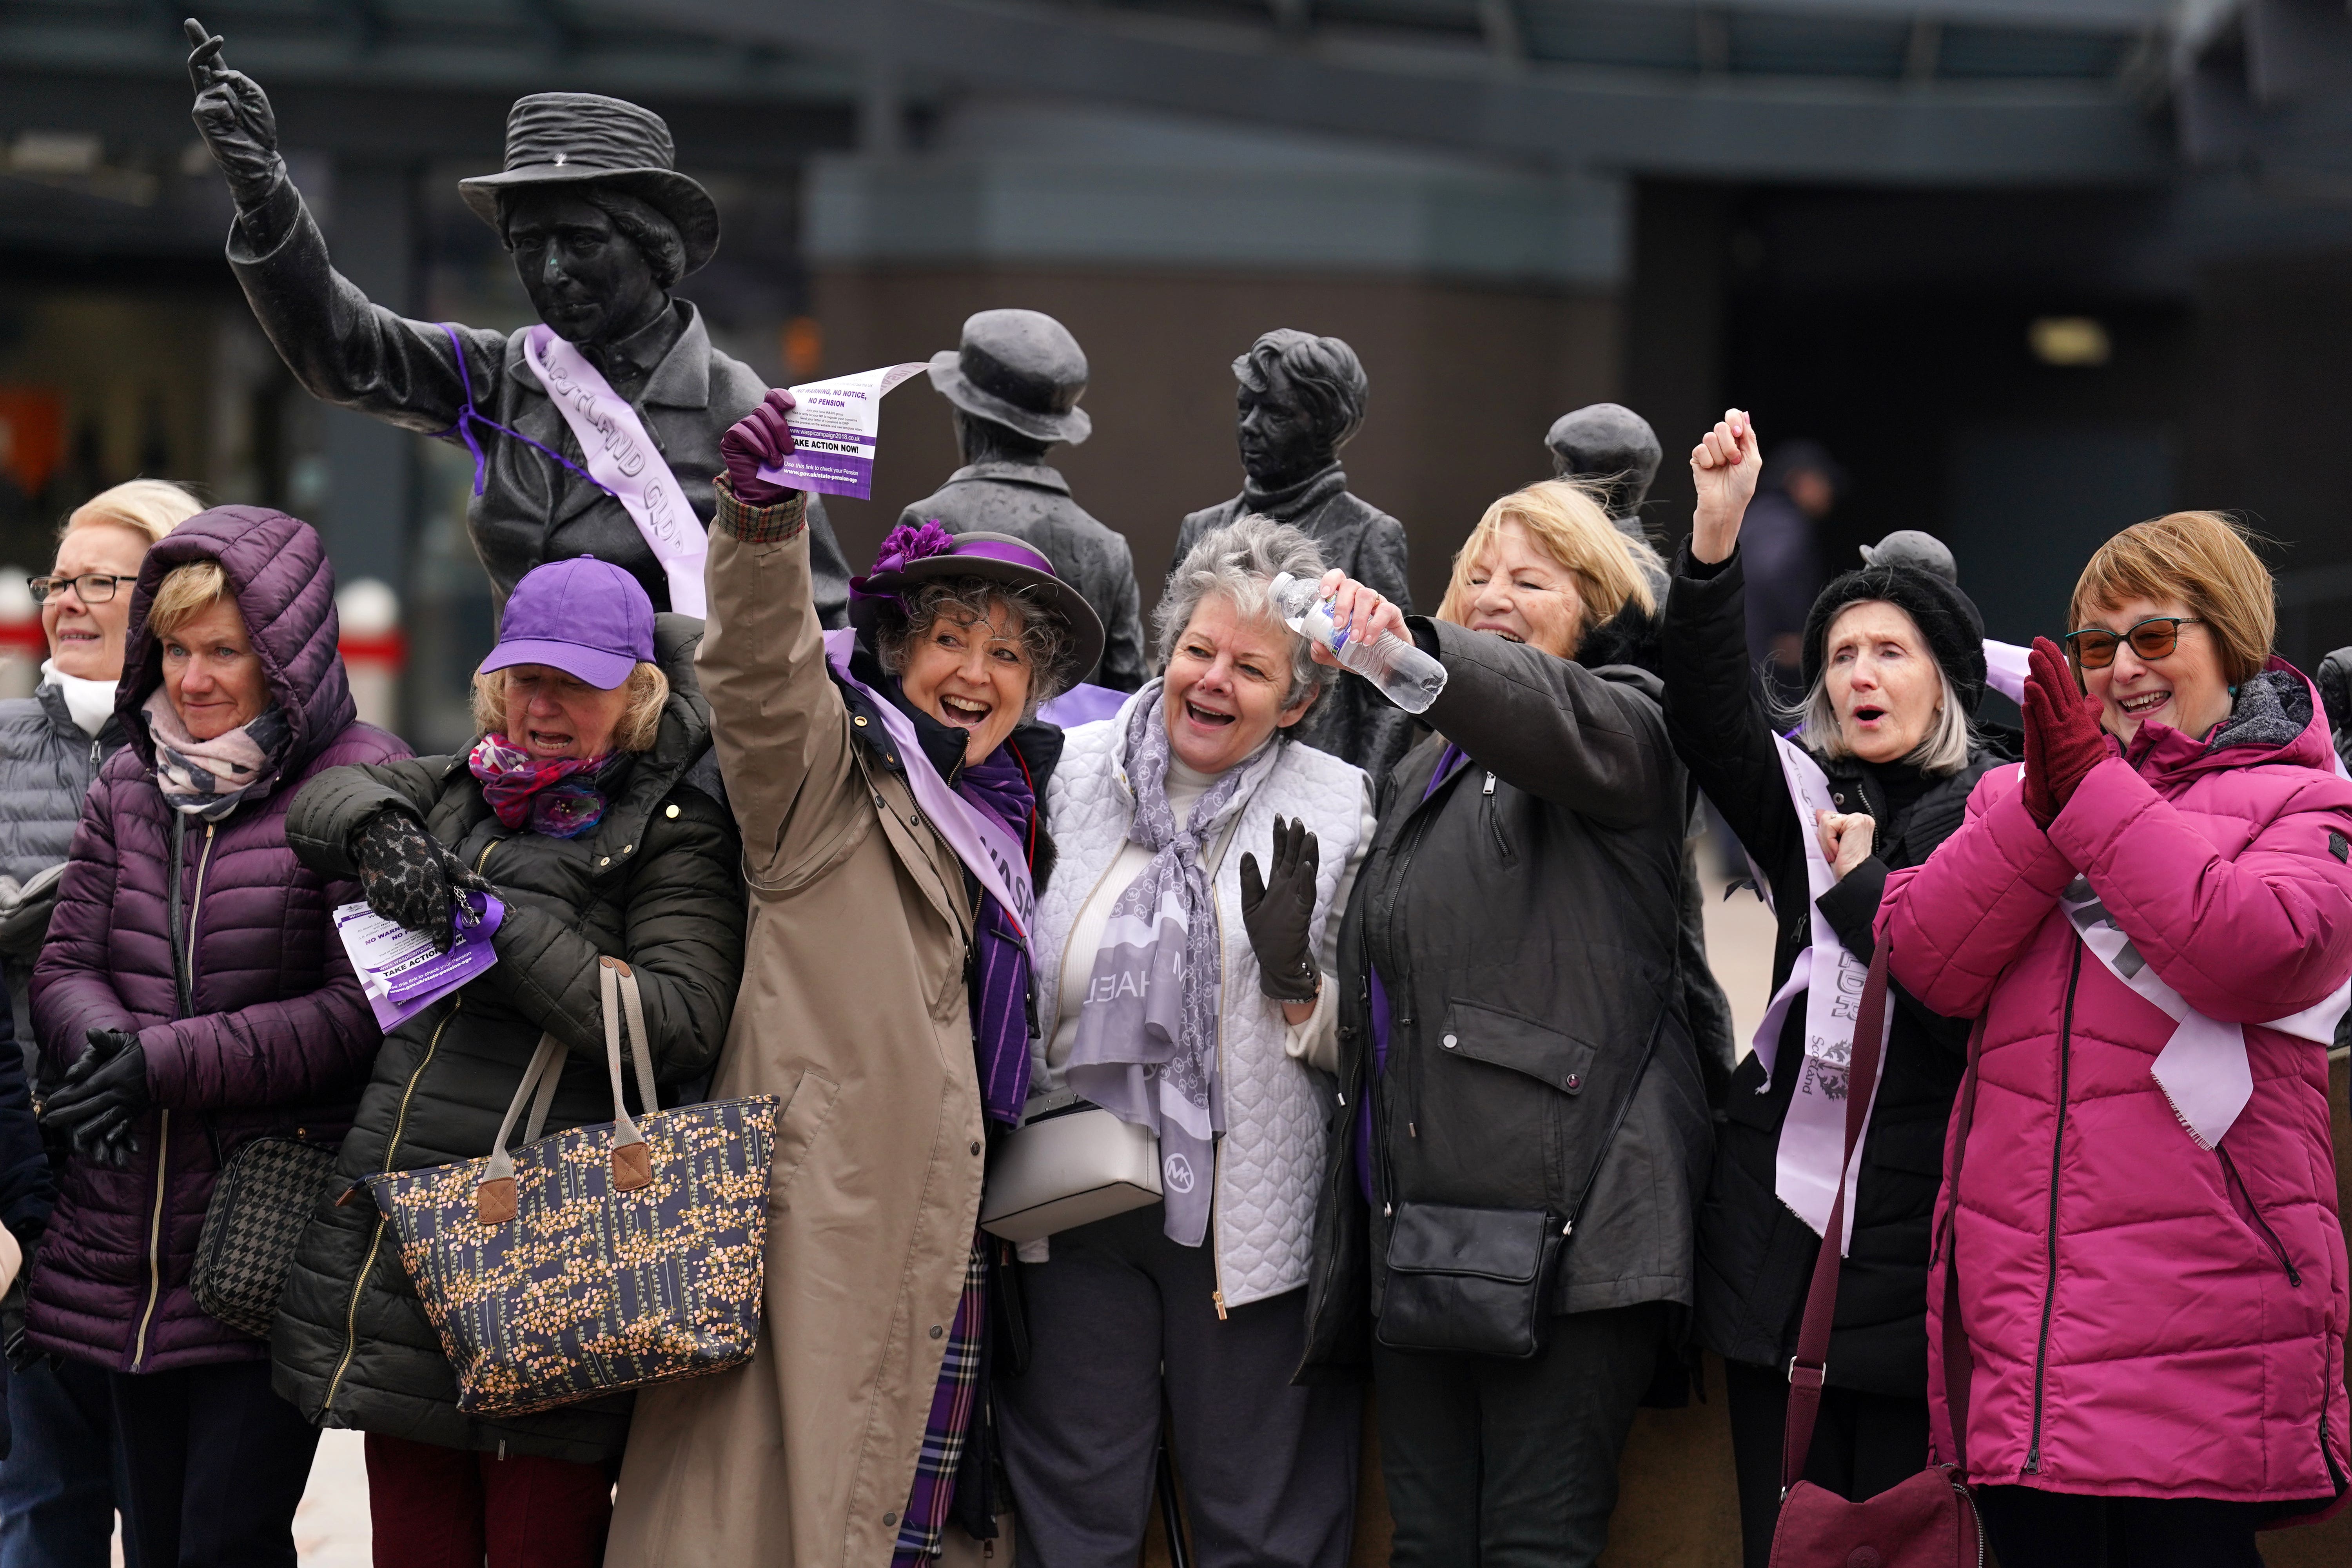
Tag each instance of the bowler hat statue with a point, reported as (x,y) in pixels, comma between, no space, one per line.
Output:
(585,138)
(1019,369)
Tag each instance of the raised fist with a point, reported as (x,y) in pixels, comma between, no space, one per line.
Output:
(234,118)
(1724,468)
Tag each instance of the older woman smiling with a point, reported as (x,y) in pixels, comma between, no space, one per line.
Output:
(1182,987)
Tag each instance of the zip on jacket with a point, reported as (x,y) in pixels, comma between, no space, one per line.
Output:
(184,981)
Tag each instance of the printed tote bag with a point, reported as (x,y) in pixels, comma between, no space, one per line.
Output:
(602,1258)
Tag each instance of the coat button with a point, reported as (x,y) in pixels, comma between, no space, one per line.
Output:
(859,720)
(1572,1082)
(975,1147)
(604,860)
(937,1331)
(889,1519)
(671,811)
(1450,1042)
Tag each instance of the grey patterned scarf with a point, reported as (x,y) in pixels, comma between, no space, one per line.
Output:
(209,779)
(1147,1045)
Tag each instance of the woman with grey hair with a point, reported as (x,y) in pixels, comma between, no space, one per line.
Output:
(1183,957)
(1875,775)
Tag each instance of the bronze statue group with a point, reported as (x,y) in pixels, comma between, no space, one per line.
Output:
(1165,1038)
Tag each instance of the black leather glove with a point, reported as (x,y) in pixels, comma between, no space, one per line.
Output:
(104,1095)
(409,876)
(1276,911)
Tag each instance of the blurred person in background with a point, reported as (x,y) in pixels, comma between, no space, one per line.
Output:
(56,1485)
(1515,1049)
(194,995)
(889,781)
(1015,384)
(589,806)
(1894,667)
(2153,918)
(1299,399)
(1196,797)
(1781,544)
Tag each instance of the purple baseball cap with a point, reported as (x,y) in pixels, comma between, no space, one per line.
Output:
(584,617)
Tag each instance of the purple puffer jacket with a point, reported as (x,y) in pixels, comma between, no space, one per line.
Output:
(280,1039)
(2148,1317)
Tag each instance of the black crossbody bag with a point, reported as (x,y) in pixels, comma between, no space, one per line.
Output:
(1481,1282)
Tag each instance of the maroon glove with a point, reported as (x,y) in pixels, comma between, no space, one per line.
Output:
(760,440)
(2063,739)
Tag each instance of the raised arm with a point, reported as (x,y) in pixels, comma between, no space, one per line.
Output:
(1960,920)
(342,349)
(779,725)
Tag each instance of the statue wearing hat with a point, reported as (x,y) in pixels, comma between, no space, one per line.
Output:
(1609,446)
(1015,384)
(1301,398)
(594,433)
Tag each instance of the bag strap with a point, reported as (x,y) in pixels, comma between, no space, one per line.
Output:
(1809,1368)
(495,1197)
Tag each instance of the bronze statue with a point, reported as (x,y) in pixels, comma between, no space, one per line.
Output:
(1014,381)
(1611,448)
(601,226)
(1300,399)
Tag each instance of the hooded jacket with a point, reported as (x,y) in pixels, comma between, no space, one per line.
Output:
(653,883)
(280,1035)
(2146,1317)
(1524,917)
(1755,1256)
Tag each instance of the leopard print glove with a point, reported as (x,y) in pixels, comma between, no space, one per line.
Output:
(406,874)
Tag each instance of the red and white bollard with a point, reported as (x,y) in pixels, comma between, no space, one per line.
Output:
(374,648)
(23,645)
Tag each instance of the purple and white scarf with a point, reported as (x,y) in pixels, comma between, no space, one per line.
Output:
(209,779)
(1147,1045)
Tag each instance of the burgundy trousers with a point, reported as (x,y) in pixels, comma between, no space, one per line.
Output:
(448,1507)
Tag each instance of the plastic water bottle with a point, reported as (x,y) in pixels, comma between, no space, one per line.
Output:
(1402,672)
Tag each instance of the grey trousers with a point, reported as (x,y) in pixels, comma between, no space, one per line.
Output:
(1122,1324)
(1513,1464)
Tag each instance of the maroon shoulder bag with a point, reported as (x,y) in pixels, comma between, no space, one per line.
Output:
(1929,1521)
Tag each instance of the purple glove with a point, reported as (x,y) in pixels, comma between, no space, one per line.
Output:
(760,440)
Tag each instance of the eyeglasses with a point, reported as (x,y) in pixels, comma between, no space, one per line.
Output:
(93,587)
(2094,648)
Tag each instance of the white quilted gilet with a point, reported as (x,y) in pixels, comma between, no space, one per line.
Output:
(1270,1160)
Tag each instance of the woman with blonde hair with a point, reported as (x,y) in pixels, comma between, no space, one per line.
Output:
(1511,1185)
(195,996)
(2152,919)
(590,806)
(57,1491)
(1873,777)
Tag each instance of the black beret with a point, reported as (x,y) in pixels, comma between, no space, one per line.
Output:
(1947,617)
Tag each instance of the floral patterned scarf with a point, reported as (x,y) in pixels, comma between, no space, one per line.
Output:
(553,795)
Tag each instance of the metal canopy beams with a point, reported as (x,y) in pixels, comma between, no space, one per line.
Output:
(1644,122)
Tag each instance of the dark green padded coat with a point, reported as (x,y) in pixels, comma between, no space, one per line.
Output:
(655,883)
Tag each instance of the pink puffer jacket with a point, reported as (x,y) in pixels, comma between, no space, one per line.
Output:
(2147,1318)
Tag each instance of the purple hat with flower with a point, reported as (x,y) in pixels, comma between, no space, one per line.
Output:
(586,617)
(909,556)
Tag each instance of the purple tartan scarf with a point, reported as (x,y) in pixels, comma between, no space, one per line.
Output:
(1147,1045)
(1000,786)
(549,793)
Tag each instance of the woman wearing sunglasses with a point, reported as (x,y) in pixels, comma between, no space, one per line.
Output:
(2153,920)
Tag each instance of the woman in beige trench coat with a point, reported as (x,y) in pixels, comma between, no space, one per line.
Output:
(854,1010)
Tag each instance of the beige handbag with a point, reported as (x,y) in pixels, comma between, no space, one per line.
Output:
(1066,1169)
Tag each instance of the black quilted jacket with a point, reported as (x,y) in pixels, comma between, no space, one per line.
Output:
(654,883)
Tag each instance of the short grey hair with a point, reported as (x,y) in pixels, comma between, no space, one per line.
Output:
(1943,750)
(1241,561)
(1046,639)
